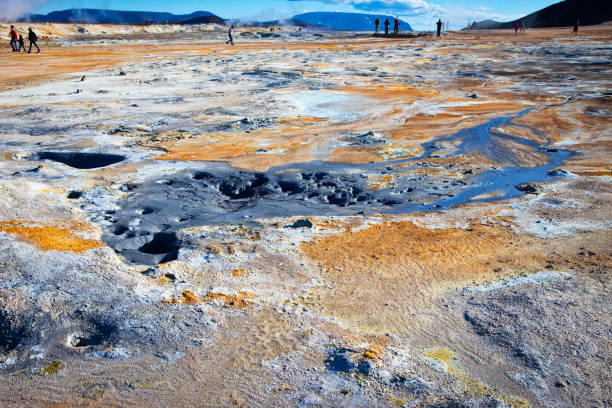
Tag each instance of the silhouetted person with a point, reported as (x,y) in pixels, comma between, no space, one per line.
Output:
(32,38)
(387,27)
(21,43)
(376,23)
(396,26)
(13,42)
(231,38)
(576,24)
(439,27)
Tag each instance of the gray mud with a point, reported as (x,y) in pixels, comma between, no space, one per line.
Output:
(143,229)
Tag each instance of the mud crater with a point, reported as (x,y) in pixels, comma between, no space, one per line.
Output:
(81,160)
(144,227)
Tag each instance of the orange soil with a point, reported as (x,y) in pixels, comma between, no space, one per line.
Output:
(376,277)
(190,298)
(239,300)
(49,238)
(392,92)
(239,273)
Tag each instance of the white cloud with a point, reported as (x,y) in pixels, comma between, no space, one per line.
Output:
(13,9)
(421,14)
(403,7)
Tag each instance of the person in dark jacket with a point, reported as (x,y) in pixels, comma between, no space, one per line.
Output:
(576,24)
(231,38)
(396,26)
(32,38)
(387,27)
(13,35)
(21,43)
(377,24)
(439,27)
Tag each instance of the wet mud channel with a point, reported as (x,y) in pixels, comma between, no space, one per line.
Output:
(143,229)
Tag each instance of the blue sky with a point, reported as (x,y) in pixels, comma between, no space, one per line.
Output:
(419,13)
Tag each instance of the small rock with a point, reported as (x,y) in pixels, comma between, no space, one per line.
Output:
(529,188)
(558,173)
(339,361)
(365,367)
(302,223)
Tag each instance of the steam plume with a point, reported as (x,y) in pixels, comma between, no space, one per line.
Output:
(11,10)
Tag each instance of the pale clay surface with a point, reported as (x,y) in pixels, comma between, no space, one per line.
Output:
(451,201)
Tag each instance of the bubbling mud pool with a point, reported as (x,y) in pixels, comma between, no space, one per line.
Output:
(143,227)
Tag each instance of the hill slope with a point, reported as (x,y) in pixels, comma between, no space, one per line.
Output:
(348,21)
(122,17)
(562,14)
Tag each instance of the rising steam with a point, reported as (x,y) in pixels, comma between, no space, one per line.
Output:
(11,10)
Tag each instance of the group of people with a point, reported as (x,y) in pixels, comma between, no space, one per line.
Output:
(396,24)
(520,27)
(17,42)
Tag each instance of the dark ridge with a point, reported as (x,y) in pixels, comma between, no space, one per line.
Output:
(81,160)
(102,16)
(562,14)
(204,20)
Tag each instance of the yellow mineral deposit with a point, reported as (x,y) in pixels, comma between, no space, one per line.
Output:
(474,387)
(49,238)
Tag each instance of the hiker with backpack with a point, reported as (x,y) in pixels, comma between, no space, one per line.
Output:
(32,38)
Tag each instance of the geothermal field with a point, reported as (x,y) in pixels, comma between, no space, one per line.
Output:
(306,219)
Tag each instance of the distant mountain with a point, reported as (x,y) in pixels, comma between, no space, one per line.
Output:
(123,17)
(212,19)
(287,22)
(562,14)
(348,21)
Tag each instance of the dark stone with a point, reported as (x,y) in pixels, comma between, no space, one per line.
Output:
(302,223)
(365,367)
(529,188)
(339,361)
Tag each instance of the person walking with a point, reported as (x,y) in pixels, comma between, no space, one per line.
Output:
(516,28)
(576,24)
(32,38)
(21,43)
(387,27)
(439,27)
(13,42)
(231,38)
(376,23)
(523,26)
(396,26)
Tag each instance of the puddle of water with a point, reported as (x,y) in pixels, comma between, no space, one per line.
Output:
(334,106)
(81,160)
